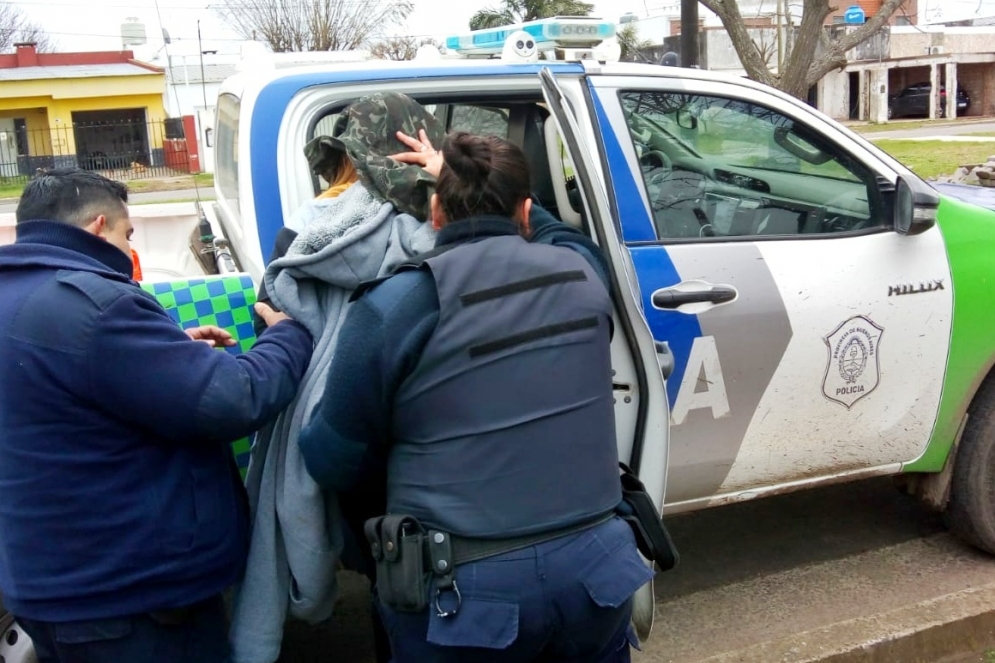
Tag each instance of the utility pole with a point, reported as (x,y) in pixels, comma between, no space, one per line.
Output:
(689,33)
(203,81)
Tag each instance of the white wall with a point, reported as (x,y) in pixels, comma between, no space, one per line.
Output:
(834,95)
(187,99)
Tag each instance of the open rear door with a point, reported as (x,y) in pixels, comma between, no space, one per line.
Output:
(642,414)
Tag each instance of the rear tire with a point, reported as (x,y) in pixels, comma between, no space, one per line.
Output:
(970,513)
(644,611)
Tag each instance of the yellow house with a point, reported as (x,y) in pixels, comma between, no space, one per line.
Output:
(101,110)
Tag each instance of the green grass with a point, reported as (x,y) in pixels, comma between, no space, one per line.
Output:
(931,158)
(12,188)
(987,134)
(174,183)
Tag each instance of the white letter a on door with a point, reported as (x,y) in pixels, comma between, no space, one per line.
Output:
(703,368)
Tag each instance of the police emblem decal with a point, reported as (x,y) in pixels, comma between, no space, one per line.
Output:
(852,370)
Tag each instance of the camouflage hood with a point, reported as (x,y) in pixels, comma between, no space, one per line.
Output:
(366,132)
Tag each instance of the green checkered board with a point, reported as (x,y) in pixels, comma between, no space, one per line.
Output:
(223,301)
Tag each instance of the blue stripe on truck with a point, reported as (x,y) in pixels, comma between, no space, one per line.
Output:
(653,265)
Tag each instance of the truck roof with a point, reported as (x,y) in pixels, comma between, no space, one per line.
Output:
(346,72)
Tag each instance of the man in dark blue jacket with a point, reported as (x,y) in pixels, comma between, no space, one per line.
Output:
(122,517)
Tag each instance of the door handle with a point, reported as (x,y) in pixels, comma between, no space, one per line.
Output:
(701,293)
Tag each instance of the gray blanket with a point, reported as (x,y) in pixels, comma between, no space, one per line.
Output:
(296,530)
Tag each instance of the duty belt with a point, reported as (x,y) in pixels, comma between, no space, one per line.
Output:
(408,555)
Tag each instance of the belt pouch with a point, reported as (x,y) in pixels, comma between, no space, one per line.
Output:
(398,547)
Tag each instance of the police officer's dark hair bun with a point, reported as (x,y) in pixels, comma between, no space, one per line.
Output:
(482,175)
(469,156)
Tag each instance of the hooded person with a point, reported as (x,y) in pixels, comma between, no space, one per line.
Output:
(326,157)
(361,234)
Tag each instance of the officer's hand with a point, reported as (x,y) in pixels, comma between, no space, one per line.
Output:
(269,316)
(213,336)
(423,153)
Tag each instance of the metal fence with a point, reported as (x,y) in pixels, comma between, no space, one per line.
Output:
(122,150)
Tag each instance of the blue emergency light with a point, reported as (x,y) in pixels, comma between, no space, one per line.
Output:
(549,33)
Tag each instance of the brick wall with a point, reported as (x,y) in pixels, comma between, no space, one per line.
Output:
(978,82)
(871,8)
(976,79)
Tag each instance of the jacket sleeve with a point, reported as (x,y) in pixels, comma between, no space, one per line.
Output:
(380,342)
(145,369)
(351,421)
(547,229)
(284,238)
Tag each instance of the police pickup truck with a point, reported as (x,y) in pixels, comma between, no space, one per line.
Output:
(793,306)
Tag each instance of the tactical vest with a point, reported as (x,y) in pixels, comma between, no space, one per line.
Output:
(506,425)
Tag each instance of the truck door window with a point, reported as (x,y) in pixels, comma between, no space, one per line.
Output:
(479,120)
(719,167)
(226,153)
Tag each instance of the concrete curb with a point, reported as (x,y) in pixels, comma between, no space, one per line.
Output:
(955,624)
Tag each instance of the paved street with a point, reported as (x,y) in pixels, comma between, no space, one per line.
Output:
(759,571)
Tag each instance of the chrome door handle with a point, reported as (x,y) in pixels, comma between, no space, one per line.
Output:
(672,298)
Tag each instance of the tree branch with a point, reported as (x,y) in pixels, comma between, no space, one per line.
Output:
(835,56)
(732,19)
(868,29)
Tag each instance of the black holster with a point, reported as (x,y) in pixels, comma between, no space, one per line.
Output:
(638,510)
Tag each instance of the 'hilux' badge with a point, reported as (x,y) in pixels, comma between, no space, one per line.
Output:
(853,369)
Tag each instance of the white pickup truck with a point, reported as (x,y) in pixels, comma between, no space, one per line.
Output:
(794,307)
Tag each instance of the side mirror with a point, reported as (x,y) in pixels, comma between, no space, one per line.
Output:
(915,207)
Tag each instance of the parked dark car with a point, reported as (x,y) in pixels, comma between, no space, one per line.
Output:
(914,100)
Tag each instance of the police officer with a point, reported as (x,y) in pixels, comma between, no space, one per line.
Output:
(480,376)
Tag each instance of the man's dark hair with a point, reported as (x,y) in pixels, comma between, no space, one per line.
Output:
(73,196)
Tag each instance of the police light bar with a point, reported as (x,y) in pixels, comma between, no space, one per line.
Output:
(549,34)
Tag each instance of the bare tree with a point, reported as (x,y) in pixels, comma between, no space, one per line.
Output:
(399,48)
(765,41)
(805,63)
(15,28)
(313,25)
